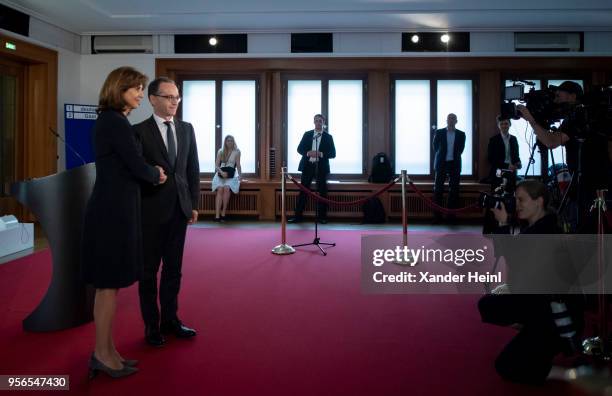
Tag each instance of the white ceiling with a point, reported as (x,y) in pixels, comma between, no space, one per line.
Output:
(224,16)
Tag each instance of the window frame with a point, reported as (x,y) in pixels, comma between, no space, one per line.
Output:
(219,78)
(324,78)
(433,112)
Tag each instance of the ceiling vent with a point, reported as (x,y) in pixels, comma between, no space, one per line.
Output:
(549,41)
(122,44)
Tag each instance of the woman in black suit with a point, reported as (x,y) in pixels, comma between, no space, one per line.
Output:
(112,235)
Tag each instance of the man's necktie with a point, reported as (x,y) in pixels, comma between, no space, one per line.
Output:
(171,144)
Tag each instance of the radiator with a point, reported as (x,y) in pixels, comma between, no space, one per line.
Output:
(416,206)
(333,210)
(248,202)
(244,203)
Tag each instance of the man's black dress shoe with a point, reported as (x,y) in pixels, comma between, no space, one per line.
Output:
(177,328)
(153,336)
(295,220)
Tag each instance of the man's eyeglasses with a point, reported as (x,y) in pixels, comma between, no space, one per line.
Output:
(170,98)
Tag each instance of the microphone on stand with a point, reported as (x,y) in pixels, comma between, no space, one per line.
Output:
(72,150)
(315,137)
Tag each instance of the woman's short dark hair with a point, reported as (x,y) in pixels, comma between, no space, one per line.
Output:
(535,189)
(117,82)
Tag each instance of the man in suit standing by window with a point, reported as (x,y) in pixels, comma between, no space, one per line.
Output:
(316,148)
(166,210)
(448,145)
(503,151)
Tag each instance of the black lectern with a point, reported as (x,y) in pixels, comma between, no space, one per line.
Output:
(58,202)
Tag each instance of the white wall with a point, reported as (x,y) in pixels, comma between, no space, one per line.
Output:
(492,42)
(598,42)
(371,43)
(95,68)
(68,91)
(50,34)
(269,43)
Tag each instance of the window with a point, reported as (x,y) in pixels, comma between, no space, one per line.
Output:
(342,102)
(218,107)
(412,123)
(345,120)
(455,96)
(415,106)
(303,102)
(239,120)
(199,107)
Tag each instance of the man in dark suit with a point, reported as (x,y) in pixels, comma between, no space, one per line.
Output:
(316,148)
(448,145)
(503,151)
(166,210)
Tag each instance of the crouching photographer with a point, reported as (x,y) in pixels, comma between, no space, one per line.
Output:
(548,324)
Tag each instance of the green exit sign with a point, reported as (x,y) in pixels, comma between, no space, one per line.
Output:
(10,46)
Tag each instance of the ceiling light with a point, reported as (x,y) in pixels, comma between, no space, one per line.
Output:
(212,41)
(445,38)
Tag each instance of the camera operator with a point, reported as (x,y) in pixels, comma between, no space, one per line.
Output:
(588,175)
(548,325)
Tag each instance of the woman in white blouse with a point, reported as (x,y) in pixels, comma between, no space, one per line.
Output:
(224,181)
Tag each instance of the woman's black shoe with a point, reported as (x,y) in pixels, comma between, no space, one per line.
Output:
(96,366)
(130,362)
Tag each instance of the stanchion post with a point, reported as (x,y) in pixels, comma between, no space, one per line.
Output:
(283,248)
(599,346)
(408,258)
(404,210)
(603,305)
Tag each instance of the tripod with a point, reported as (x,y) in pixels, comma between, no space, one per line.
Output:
(317,241)
(531,160)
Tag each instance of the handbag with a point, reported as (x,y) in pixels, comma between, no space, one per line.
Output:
(230,170)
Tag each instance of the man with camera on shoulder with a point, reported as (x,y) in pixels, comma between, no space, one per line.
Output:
(586,152)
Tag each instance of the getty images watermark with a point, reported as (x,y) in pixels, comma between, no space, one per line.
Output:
(474,264)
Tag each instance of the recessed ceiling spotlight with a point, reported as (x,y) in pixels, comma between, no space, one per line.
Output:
(212,41)
(445,38)
(415,38)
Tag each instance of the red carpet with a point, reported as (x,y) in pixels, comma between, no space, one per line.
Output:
(269,325)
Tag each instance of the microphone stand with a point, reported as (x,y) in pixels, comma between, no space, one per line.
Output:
(317,241)
(57,135)
(531,160)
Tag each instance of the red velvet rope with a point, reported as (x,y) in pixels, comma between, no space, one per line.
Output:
(437,207)
(427,200)
(329,201)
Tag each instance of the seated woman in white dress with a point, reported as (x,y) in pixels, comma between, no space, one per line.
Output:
(223,181)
